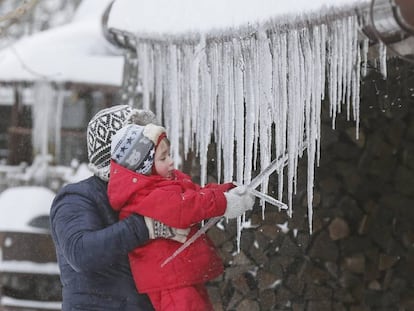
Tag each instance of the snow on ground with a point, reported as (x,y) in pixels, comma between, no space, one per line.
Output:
(19,205)
(8,301)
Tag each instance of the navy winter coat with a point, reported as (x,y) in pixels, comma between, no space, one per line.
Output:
(92,249)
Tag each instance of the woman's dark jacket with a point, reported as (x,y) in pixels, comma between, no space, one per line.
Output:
(92,249)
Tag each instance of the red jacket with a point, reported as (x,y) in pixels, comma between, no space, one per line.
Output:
(178,203)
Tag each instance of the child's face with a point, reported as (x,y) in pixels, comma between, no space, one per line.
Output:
(164,165)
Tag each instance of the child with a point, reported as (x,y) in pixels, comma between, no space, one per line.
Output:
(143,181)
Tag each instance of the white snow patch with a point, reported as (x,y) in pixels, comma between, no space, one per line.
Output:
(177,16)
(44,305)
(29,267)
(284,227)
(19,205)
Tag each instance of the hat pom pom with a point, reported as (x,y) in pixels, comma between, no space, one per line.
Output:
(153,132)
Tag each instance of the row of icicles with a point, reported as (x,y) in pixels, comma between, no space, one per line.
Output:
(258,95)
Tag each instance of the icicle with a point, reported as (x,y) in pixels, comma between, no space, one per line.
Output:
(173,126)
(159,69)
(365,47)
(356,86)
(265,99)
(201,231)
(227,119)
(333,71)
(248,53)
(207,107)
(250,109)
(186,103)
(294,110)
(280,65)
(320,48)
(324,61)
(350,47)
(197,58)
(143,59)
(219,107)
(238,68)
(382,51)
(205,119)
(214,94)
(340,33)
(238,233)
(310,129)
(303,85)
(185,106)
(256,90)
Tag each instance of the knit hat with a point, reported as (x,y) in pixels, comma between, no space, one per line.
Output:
(103,126)
(133,146)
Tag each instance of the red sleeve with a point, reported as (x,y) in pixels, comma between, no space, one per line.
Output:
(222,187)
(178,208)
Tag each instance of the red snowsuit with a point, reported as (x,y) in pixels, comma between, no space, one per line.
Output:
(178,203)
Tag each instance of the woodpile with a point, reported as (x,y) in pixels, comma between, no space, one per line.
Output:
(360,256)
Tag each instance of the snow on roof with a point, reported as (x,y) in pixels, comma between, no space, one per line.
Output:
(75,52)
(177,16)
(19,205)
(90,9)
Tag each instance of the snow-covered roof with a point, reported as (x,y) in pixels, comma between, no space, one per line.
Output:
(179,16)
(19,205)
(76,52)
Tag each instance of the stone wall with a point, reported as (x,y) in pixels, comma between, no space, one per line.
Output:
(361,253)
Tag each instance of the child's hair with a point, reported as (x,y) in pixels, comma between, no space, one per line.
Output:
(163,138)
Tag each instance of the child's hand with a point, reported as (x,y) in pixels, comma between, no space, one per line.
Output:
(157,229)
(239,200)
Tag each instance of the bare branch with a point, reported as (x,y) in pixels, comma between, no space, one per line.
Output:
(15,15)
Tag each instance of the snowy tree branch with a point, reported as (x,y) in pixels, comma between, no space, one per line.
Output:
(15,15)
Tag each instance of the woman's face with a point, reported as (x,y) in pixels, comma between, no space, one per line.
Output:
(164,164)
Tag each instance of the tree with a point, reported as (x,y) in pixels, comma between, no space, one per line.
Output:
(22,18)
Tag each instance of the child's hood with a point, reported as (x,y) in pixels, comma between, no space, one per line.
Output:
(124,184)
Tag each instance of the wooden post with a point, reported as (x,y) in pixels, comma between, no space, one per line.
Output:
(20,143)
(13,139)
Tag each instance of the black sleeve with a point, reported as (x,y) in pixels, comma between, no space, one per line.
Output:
(86,241)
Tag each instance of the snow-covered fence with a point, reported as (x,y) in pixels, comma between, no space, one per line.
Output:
(6,173)
(41,173)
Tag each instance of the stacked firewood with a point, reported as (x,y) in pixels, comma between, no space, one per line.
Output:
(360,255)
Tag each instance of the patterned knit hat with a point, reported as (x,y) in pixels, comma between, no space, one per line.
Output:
(103,126)
(133,146)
